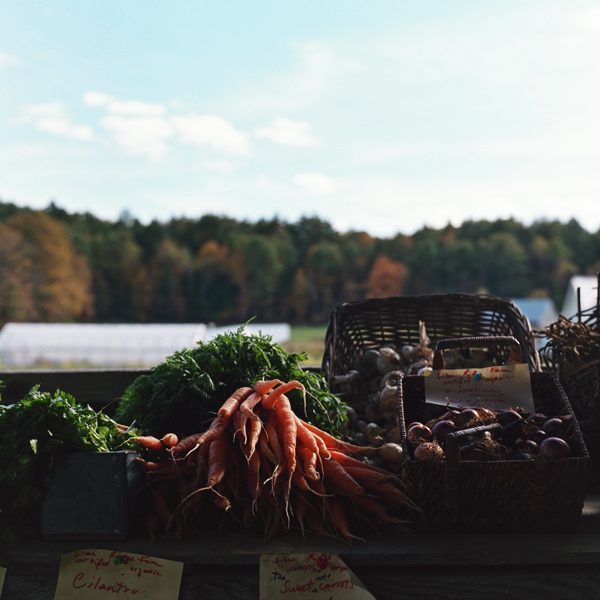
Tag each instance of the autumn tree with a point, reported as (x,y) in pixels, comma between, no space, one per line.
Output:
(61,277)
(16,277)
(386,278)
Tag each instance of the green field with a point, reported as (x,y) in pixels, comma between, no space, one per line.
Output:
(309,339)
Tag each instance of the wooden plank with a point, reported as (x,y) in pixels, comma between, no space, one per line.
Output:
(97,387)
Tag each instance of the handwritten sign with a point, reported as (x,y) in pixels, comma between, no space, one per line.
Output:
(312,576)
(2,577)
(96,574)
(499,388)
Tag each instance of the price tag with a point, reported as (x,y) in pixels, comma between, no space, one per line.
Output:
(312,576)
(499,388)
(2,578)
(96,574)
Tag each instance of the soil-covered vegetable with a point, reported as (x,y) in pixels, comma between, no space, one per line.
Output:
(32,432)
(184,393)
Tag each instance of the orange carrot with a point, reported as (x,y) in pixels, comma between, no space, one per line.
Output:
(150,442)
(287,423)
(373,506)
(233,402)
(362,474)
(340,520)
(271,429)
(169,440)
(217,460)
(300,481)
(336,473)
(334,443)
(309,461)
(265,449)
(247,406)
(269,402)
(255,429)
(264,387)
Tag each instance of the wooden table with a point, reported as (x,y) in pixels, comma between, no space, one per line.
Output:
(427,567)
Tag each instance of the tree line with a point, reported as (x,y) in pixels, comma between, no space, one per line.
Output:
(60,266)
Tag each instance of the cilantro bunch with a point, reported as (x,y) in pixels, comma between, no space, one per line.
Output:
(32,432)
(183,394)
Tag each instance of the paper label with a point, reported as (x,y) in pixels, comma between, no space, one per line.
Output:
(311,576)
(95,574)
(499,388)
(2,577)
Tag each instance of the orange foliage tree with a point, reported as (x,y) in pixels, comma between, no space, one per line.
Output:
(386,278)
(61,278)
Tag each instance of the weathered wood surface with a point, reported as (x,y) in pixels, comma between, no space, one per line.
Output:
(99,388)
(430,566)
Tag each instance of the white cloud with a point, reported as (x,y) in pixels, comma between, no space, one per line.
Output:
(220,166)
(288,133)
(316,183)
(318,73)
(53,118)
(120,107)
(7,60)
(213,131)
(588,18)
(140,136)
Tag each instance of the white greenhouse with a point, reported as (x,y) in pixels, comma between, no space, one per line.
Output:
(109,345)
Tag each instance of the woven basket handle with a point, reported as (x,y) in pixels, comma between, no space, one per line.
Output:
(477,342)
(452,476)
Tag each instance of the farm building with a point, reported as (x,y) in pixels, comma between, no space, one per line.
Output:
(588,291)
(541,312)
(109,345)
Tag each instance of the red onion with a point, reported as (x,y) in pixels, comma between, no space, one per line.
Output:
(553,427)
(465,416)
(537,419)
(508,416)
(442,428)
(553,448)
(473,437)
(419,433)
(450,415)
(413,424)
(537,436)
(428,451)
(526,446)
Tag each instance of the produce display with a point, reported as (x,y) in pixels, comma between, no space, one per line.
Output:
(183,394)
(259,467)
(32,432)
(511,435)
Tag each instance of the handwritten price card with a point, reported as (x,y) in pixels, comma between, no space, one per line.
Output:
(312,576)
(2,577)
(499,388)
(96,574)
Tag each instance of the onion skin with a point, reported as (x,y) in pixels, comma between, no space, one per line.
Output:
(428,451)
(537,419)
(553,427)
(419,433)
(465,416)
(508,416)
(554,448)
(442,428)
(537,436)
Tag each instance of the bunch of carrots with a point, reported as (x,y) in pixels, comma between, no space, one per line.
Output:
(259,465)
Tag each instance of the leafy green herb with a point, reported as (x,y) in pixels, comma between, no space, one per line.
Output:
(183,394)
(32,432)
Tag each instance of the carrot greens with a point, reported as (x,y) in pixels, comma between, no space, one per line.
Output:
(184,393)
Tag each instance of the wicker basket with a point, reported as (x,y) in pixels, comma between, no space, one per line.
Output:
(357,326)
(503,496)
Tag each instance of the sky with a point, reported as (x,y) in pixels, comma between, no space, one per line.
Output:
(382,116)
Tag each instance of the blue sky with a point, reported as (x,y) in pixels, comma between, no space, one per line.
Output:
(381,116)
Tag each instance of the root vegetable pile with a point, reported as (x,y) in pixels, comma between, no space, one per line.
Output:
(259,467)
